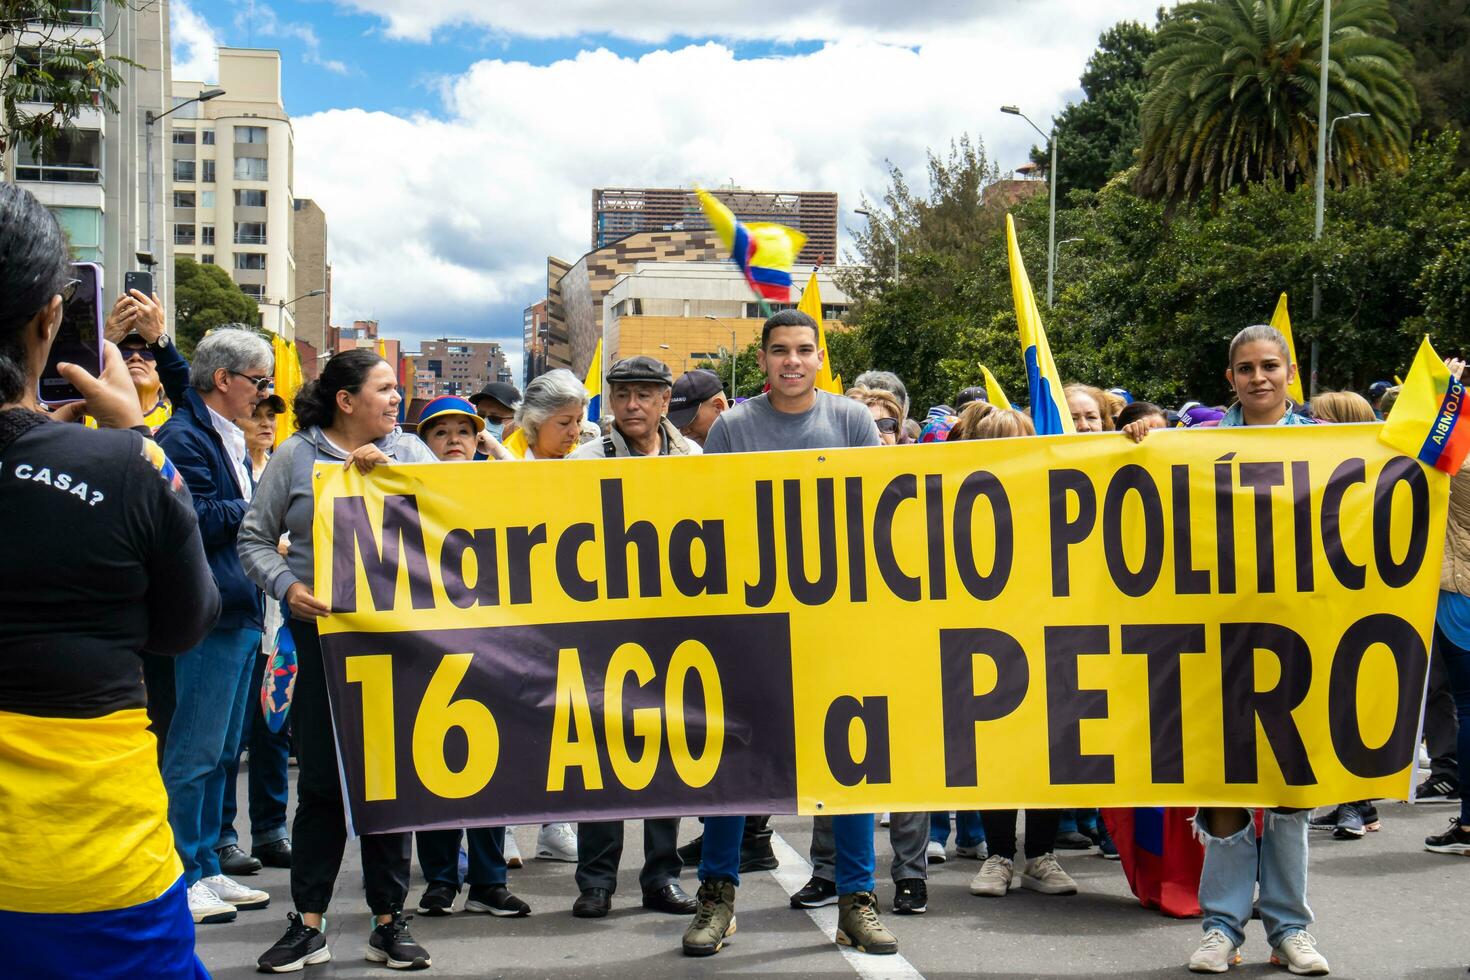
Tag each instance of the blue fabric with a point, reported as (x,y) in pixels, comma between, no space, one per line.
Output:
(213,685)
(1453,617)
(270,754)
(852,832)
(969,829)
(197,451)
(1457,664)
(154,940)
(439,855)
(1235,416)
(719,856)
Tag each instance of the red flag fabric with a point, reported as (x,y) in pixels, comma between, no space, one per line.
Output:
(1160,855)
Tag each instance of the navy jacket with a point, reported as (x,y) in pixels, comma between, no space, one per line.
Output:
(196,449)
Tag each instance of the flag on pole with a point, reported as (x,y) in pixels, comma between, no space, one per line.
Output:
(1281,320)
(994,393)
(764,251)
(593,384)
(811,305)
(1428,421)
(1049,410)
(288,382)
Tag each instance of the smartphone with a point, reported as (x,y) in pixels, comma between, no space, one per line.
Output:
(79,340)
(141,281)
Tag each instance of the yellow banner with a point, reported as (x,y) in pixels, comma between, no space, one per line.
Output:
(1231,616)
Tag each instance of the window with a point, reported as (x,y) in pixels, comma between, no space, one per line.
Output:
(206,199)
(206,171)
(183,234)
(31,62)
(206,137)
(252,261)
(85,13)
(207,258)
(184,137)
(252,168)
(250,134)
(183,199)
(184,107)
(254,290)
(249,199)
(206,234)
(250,233)
(753,310)
(69,158)
(184,171)
(83,227)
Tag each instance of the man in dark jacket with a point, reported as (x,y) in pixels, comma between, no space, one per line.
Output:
(230,374)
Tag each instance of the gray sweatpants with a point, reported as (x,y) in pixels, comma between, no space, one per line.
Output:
(908,834)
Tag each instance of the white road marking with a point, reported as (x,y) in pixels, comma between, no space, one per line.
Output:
(792,874)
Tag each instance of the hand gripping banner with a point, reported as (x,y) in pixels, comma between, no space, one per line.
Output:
(1236,616)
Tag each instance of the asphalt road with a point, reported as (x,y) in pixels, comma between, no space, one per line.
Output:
(1385,909)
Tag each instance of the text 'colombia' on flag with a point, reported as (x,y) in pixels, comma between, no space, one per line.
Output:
(764,251)
(1428,421)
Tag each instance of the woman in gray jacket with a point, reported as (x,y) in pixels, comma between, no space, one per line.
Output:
(350,416)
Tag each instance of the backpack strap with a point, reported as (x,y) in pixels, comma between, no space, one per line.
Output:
(608,449)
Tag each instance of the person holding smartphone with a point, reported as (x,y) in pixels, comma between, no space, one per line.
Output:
(100,558)
(159,372)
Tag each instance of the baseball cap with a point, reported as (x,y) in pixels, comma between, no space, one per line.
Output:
(274,402)
(448,405)
(972,394)
(640,367)
(502,391)
(692,390)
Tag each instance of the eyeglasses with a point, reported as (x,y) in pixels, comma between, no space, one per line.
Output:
(499,419)
(888,426)
(128,353)
(262,385)
(69,289)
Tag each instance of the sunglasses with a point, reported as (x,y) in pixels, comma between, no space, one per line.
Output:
(128,353)
(888,426)
(262,385)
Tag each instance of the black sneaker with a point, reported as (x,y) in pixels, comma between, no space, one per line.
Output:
(1435,790)
(391,943)
(300,947)
(438,899)
(1327,822)
(1456,840)
(1349,823)
(758,857)
(1370,816)
(497,900)
(910,896)
(815,894)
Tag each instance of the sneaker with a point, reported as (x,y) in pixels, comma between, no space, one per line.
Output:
(237,894)
(497,900)
(511,851)
(1371,823)
(301,946)
(1326,822)
(1216,954)
(1434,790)
(858,925)
(714,921)
(996,877)
(815,894)
(1043,874)
(885,819)
(979,852)
(1349,823)
(1108,849)
(1456,840)
(1073,841)
(438,899)
(910,896)
(208,908)
(557,842)
(391,943)
(757,855)
(1298,953)
(935,852)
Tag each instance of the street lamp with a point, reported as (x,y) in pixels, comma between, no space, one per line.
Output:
(734,353)
(1051,178)
(871,218)
(281,309)
(148,120)
(1333,125)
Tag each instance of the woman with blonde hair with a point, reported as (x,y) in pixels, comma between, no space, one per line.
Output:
(981,420)
(1092,408)
(1342,406)
(886,410)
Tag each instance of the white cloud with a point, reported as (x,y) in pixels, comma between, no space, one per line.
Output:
(195,44)
(260,18)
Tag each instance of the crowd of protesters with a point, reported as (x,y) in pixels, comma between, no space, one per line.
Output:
(159,579)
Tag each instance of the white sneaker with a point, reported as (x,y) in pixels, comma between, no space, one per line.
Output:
(1043,874)
(979,852)
(511,851)
(1298,953)
(884,819)
(206,907)
(935,852)
(557,842)
(237,894)
(1216,954)
(995,877)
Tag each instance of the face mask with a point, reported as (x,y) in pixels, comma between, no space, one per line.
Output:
(494,428)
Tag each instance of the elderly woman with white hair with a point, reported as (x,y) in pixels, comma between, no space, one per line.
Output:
(549,418)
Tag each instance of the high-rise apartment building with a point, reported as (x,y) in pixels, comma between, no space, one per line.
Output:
(459,367)
(621,211)
(535,326)
(231,176)
(95,178)
(313,314)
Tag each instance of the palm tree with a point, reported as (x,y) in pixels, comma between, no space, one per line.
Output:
(1233,91)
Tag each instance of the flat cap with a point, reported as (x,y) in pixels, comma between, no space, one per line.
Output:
(641,367)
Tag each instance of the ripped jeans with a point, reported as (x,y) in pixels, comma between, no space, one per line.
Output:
(1234,864)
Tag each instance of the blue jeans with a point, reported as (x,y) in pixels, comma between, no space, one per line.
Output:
(213,686)
(439,855)
(852,832)
(1457,664)
(270,754)
(1234,864)
(969,829)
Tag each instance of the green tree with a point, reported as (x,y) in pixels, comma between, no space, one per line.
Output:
(206,297)
(47,76)
(1437,35)
(1233,94)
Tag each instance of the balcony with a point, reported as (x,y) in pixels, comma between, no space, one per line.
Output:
(243,239)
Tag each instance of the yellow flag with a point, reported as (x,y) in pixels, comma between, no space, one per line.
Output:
(993,391)
(1428,421)
(811,305)
(1281,320)
(1049,412)
(593,384)
(288,382)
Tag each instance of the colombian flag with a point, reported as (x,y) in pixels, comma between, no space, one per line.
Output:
(1281,320)
(593,384)
(1428,420)
(288,382)
(811,305)
(1049,409)
(994,393)
(764,251)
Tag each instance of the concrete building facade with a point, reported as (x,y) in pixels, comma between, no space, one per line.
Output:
(313,314)
(458,367)
(535,327)
(621,211)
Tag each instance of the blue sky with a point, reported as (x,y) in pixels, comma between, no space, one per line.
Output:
(454,143)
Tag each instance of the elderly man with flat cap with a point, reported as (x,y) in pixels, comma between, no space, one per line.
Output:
(639,389)
(698,400)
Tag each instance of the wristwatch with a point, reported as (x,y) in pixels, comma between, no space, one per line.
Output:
(161,343)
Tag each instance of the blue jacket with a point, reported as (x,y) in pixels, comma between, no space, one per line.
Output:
(196,449)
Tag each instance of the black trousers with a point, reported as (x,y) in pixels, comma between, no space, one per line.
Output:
(1441,721)
(319,832)
(600,849)
(1000,831)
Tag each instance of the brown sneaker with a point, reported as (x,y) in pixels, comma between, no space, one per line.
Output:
(714,920)
(858,925)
